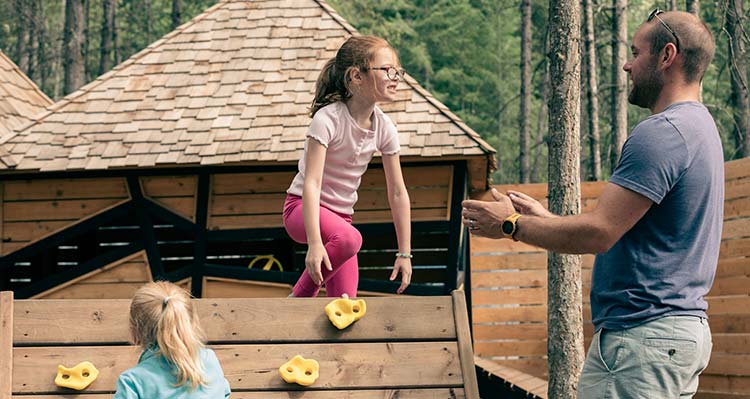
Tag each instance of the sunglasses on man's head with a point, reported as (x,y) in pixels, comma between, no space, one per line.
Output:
(655,14)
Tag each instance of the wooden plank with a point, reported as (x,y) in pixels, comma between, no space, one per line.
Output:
(718,395)
(431,393)
(417,215)
(49,189)
(419,198)
(734,248)
(238,320)
(530,384)
(734,285)
(489,332)
(733,304)
(247,204)
(515,296)
(183,206)
(725,383)
(511,348)
(516,261)
(373,365)
(737,188)
(489,245)
(414,176)
(524,278)
(733,267)
(216,287)
(29,231)
(730,343)
(169,186)
(132,271)
(736,228)
(56,209)
(463,335)
(737,168)
(531,365)
(730,323)
(251,183)
(729,364)
(6,344)
(533,313)
(3,238)
(737,208)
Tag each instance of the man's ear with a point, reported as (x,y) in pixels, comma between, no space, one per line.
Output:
(668,55)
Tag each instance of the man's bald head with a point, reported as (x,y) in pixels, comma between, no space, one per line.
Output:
(696,43)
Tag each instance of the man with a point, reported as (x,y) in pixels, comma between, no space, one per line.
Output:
(656,228)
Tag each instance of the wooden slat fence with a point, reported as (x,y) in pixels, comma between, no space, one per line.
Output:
(509,294)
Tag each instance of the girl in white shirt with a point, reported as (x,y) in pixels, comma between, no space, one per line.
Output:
(346,130)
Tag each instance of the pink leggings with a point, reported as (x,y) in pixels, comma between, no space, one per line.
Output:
(342,242)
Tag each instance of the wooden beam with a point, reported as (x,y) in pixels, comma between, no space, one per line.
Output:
(465,353)
(147,228)
(6,344)
(455,231)
(201,237)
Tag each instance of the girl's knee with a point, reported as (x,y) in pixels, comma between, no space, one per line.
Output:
(350,240)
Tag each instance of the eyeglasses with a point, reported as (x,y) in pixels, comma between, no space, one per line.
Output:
(655,14)
(393,73)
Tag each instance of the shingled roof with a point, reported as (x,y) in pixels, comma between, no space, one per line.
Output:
(20,100)
(232,86)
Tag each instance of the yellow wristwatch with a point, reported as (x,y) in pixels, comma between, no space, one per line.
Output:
(509,226)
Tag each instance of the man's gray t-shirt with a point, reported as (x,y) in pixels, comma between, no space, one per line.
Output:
(666,263)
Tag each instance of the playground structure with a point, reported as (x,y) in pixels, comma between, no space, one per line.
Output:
(407,347)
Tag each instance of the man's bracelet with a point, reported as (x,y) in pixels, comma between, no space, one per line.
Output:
(404,255)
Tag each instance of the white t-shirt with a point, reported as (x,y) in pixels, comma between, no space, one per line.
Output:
(349,150)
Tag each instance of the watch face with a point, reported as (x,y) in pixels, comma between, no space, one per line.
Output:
(507,227)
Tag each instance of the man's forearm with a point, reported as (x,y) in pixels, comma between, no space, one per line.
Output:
(577,234)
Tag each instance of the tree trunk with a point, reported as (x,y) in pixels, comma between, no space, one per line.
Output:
(108,28)
(564,314)
(176,13)
(86,42)
(32,47)
(115,48)
(738,68)
(592,92)
(42,64)
(22,35)
(693,6)
(619,78)
(542,116)
(73,45)
(524,117)
(673,5)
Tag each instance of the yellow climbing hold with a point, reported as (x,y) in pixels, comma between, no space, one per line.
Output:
(300,371)
(78,377)
(344,311)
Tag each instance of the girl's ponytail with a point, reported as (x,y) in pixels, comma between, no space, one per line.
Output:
(162,314)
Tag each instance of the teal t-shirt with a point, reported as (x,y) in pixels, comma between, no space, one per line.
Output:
(154,377)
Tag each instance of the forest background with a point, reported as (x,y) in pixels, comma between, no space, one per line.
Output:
(467,53)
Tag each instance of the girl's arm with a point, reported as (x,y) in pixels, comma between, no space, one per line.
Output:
(316,253)
(398,199)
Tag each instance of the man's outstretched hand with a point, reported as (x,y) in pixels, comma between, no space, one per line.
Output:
(484,218)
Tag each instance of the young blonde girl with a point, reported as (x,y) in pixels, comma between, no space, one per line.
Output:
(174,362)
(346,131)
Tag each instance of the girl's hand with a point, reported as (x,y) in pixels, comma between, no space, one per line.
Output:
(316,254)
(526,205)
(402,265)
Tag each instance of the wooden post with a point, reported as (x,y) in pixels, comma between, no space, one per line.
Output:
(465,352)
(6,344)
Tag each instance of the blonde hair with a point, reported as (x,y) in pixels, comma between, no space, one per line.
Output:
(333,82)
(162,314)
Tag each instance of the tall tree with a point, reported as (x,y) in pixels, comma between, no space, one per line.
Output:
(22,35)
(672,5)
(592,92)
(738,68)
(564,312)
(107,39)
(73,45)
(32,47)
(693,6)
(524,117)
(41,39)
(176,13)
(619,79)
